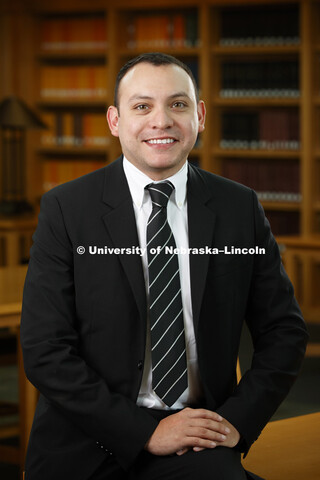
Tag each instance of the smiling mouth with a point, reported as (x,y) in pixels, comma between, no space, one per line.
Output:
(160,141)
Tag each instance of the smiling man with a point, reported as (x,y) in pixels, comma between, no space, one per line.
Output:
(135,354)
(159,120)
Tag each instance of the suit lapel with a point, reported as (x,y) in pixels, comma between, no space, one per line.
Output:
(121,226)
(201,222)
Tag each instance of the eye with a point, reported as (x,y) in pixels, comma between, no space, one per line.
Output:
(179,104)
(141,107)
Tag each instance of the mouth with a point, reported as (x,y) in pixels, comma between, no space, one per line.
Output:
(161,141)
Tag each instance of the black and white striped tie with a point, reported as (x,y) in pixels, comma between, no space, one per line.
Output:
(168,349)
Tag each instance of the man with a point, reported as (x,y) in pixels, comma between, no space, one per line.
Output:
(109,407)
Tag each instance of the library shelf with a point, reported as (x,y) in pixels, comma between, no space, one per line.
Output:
(256,153)
(282,50)
(69,55)
(73,103)
(175,51)
(283,206)
(256,101)
(73,151)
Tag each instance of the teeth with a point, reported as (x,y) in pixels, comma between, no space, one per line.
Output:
(161,141)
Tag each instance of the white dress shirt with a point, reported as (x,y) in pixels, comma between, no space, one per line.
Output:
(178,221)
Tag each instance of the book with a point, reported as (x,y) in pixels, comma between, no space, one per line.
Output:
(73,33)
(273,180)
(76,129)
(73,82)
(275,79)
(269,129)
(57,171)
(274,25)
(152,31)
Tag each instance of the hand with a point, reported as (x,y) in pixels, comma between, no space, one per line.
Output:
(190,428)
(232,438)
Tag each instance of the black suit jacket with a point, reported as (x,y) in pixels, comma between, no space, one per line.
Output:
(83,325)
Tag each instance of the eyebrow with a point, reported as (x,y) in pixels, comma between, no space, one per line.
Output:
(147,97)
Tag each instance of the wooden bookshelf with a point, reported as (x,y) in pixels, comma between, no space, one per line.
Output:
(215,41)
(258,51)
(255,102)
(256,153)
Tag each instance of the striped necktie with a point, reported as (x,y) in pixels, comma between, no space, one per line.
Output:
(168,349)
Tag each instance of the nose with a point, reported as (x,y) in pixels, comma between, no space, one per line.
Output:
(161,118)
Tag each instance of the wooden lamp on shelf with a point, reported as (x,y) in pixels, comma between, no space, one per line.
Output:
(15,118)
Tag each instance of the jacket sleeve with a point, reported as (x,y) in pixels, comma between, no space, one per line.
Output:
(52,348)
(279,339)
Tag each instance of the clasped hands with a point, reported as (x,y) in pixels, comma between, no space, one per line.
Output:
(195,429)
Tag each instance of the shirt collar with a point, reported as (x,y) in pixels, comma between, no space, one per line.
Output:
(137,181)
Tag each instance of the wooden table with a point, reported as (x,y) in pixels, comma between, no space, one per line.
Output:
(287,450)
(11,287)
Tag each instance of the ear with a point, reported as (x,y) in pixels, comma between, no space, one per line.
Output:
(113,120)
(201,115)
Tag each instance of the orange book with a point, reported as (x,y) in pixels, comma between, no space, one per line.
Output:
(161,32)
(101,138)
(92,81)
(87,129)
(46,34)
(72,82)
(50,174)
(65,171)
(82,83)
(68,138)
(178,31)
(99,33)
(66,33)
(101,78)
(57,34)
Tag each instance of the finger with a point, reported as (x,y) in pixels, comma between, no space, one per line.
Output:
(196,442)
(206,434)
(182,451)
(209,425)
(203,413)
(198,449)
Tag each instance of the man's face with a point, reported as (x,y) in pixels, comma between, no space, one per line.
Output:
(158,119)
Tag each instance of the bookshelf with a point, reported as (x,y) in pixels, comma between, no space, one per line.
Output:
(256,105)
(72,93)
(257,63)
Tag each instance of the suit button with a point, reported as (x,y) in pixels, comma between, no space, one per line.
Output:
(140,365)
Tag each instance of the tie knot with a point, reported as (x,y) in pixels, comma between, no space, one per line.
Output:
(160,192)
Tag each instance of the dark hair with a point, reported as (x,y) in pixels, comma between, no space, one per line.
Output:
(157,59)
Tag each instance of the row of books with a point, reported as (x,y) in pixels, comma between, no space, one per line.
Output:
(284,223)
(274,129)
(55,172)
(75,130)
(260,79)
(273,181)
(271,25)
(161,31)
(73,33)
(73,81)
